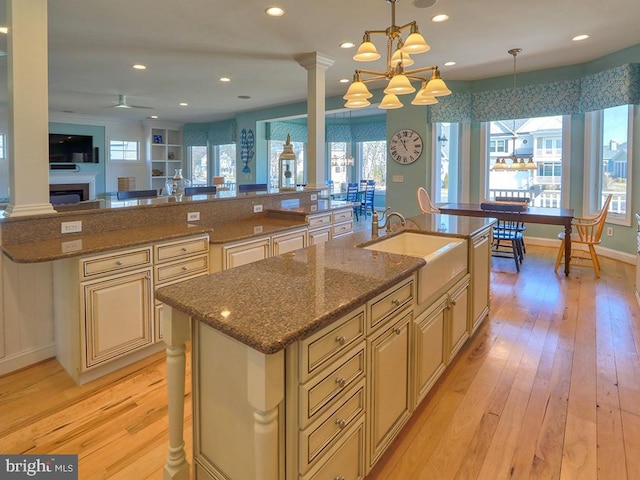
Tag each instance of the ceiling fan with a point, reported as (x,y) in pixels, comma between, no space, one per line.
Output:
(122,103)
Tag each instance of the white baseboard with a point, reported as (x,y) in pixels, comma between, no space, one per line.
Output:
(605,252)
(25,358)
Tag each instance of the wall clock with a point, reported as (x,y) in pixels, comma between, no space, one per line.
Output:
(405,146)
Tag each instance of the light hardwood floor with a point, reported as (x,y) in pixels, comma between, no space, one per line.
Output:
(549,387)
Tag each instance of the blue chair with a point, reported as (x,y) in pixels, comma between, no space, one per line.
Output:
(507,230)
(366,204)
(136,194)
(199,190)
(352,196)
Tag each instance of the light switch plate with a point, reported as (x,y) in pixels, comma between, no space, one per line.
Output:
(398,179)
(193,216)
(314,196)
(71,227)
(257,208)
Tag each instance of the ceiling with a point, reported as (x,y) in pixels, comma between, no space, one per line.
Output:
(188,46)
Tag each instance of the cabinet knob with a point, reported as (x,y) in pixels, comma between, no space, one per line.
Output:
(397,331)
(184,249)
(119,263)
(396,302)
(341,382)
(341,423)
(184,268)
(341,340)
(339,477)
(453,302)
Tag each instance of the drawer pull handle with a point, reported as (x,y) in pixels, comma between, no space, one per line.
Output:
(119,263)
(453,302)
(341,340)
(339,477)
(184,268)
(397,331)
(341,423)
(341,382)
(184,249)
(395,302)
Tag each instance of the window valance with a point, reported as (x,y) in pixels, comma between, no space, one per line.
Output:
(218,133)
(279,131)
(609,88)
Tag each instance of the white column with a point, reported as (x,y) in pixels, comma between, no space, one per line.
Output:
(28,108)
(175,333)
(316,65)
(265,377)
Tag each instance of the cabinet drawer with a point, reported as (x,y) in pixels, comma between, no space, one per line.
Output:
(114,262)
(391,302)
(342,229)
(345,460)
(319,220)
(318,438)
(321,348)
(183,248)
(318,393)
(342,216)
(182,268)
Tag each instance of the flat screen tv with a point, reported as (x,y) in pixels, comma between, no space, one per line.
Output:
(71,149)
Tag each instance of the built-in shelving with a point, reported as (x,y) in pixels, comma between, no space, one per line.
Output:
(165,154)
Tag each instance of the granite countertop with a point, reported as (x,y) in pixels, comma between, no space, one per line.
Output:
(75,245)
(244,229)
(270,304)
(321,206)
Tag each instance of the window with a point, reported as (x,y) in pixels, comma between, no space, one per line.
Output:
(446,186)
(539,137)
(608,138)
(225,158)
(499,145)
(4,170)
(341,165)
(198,164)
(276,147)
(124,150)
(373,161)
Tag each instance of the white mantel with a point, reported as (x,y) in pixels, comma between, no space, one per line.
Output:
(57,177)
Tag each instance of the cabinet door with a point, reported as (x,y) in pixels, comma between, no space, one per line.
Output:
(459,316)
(481,264)
(429,341)
(289,242)
(246,253)
(389,399)
(321,235)
(117,314)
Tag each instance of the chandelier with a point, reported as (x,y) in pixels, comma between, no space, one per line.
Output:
(398,57)
(514,161)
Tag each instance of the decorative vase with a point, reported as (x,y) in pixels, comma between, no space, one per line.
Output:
(178,182)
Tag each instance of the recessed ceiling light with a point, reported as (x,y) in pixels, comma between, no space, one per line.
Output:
(440,18)
(344,80)
(347,45)
(184,104)
(274,11)
(244,97)
(579,38)
(4,30)
(449,64)
(153,116)
(139,66)
(225,79)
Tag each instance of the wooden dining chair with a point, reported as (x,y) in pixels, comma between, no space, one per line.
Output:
(366,205)
(587,231)
(200,189)
(424,201)
(507,235)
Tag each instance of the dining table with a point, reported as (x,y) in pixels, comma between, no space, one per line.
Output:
(530,214)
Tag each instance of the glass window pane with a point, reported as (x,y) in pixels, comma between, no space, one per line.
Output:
(539,138)
(198,165)
(373,162)
(614,158)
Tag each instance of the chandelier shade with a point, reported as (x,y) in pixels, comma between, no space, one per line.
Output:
(397,75)
(390,102)
(357,103)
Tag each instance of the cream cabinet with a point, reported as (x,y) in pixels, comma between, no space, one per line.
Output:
(288,242)
(389,405)
(457,306)
(105,315)
(429,348)
(319,235)
(480,269)
(176,261)
(342,223)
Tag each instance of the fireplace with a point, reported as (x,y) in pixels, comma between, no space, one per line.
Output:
(68,192)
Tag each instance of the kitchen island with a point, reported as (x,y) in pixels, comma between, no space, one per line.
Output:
(308,364)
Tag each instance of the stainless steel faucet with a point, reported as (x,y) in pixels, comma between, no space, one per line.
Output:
(387,224)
